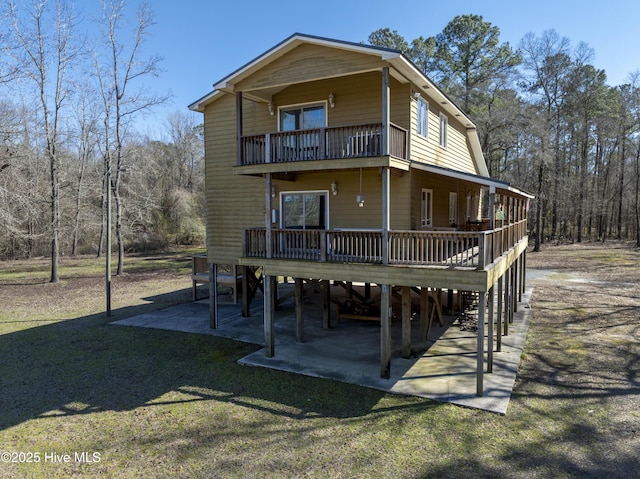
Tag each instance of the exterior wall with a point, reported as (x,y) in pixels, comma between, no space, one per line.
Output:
(343,210)
(233,201)
(441,186)
(456,156)
(308,63)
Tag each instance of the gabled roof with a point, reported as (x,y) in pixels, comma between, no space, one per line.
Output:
(401,64)
(401,68)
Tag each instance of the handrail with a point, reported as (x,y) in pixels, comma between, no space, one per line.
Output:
(353,141)
(453,249)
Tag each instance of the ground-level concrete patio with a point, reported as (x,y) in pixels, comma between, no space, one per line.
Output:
(443,368)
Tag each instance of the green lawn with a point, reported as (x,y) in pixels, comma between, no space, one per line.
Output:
(149,403)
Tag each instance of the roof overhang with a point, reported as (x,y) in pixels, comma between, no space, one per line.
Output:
(401,68)
(492,183)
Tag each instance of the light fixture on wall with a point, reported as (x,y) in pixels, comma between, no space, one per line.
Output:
(417,95)
(332,100)
(334,188)
(273,192)
(271,110)
(360,197)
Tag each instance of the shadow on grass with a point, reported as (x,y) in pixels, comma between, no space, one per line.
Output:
(84,365)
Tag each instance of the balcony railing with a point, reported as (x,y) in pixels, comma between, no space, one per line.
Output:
(358,141)
(453,249)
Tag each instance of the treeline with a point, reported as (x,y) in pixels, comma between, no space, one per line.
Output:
(73,89)
(548,123)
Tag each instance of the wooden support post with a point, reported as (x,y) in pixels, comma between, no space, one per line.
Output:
(524,270)
(385,331)
(490,332)
(499,315)
(507,302)
(513,295)
(406,322)
(516,284)
(367,291)
(268,184)
(482,305)
(326,304)
(246,295)
(425,322)
(299,294)
(239,158)
(213,296)
(269,312)
(386,213)
(349,290)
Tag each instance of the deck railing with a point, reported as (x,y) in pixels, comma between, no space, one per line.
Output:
(453,249)
(357,141)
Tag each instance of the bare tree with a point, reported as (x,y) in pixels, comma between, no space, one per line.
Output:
(119,72)
(44,54)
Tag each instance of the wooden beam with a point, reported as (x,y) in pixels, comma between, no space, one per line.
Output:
(299,288)
(213,296)
(499,315)
(386,214)
(239,127)
(490,332)
(406,322)
(507,303)
(326,304)
(246,295)
(482,305)
(269,312)
(425,321)
(385,331)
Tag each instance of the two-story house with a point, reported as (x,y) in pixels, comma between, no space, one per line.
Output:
(335,161)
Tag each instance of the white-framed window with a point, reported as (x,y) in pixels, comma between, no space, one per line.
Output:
(473,206)
(426,207)
(423,117)
(453,208)
(444,126)
(303,117)
(305,210)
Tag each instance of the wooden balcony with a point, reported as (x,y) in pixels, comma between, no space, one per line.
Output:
(451,249)
(358,141)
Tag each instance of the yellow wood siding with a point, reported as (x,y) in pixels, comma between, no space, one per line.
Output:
(358,100)
(343,209)
(306,63)
(233,202)
(456,156)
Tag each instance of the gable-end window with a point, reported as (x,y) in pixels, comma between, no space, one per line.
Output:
(444,125)
(453,208)
(426,207)
(423,117)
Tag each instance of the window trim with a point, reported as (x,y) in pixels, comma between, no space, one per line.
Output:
(324,193)
(426,214)
(302,106)
(422,122)
(444,127)
(453,208)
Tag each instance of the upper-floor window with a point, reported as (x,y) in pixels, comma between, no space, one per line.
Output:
(302,117)
(423,117)
(444,124)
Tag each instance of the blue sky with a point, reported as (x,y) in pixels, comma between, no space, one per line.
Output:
(202,41)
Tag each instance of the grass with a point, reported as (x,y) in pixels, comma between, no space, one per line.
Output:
(153,403)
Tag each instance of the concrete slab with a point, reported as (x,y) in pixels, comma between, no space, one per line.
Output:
(442,368)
